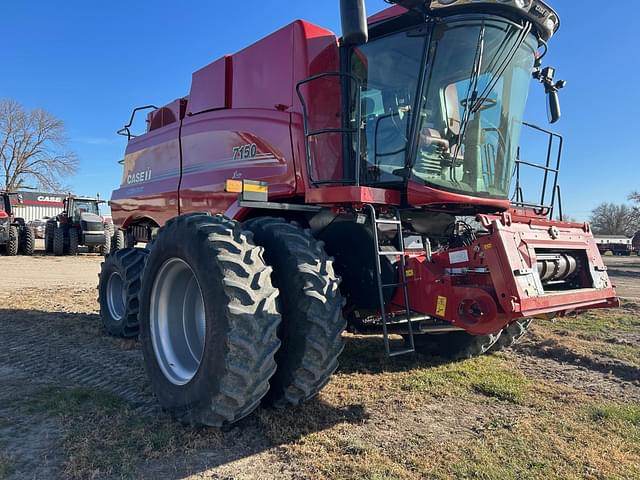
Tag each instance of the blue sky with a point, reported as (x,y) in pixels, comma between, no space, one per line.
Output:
(89,63)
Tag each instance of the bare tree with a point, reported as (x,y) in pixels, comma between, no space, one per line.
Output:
(33,149)
(612,219)
(635,220)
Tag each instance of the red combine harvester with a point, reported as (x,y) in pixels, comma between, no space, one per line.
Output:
(311,184)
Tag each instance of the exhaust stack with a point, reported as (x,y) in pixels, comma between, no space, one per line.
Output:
(355,30)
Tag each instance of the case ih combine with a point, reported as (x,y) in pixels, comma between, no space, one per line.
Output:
(309,184)
(15,235)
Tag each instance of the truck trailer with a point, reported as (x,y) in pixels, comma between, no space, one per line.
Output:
(311,184)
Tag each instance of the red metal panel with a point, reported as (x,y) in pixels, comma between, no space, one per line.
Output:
(150,179)
(351,195)
(498,272)
(387,14)
(423,195)
(263,72)
(208,142)
(210,87)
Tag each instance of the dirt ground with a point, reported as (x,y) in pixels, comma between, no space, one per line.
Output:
(75,403)
(625,273)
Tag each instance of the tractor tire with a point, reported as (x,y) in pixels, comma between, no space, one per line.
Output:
(27,242)
(311,306)
(117,241)
(58,241)
(118,289)
(48,239)
(455,345)
(209,364)
(106,248)
(512,334)
(13,243)
(74,241)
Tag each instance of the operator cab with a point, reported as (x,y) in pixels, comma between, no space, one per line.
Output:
(437,95)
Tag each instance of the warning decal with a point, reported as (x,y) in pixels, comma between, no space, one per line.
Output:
(441,306)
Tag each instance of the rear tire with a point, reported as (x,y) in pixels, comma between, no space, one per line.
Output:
(58,241)
(120,280)
(117,241)
(28,241)
(48,239)
(209,364)
(74,241)
(14,241)
(106,248)
(311,307)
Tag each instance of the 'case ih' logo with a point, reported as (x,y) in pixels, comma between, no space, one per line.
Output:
(42,198)
(139,177)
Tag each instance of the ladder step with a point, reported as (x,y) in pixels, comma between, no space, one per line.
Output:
(401,352)
(387,285)
(388,222)
(392,254)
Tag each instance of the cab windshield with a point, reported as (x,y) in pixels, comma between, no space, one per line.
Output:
(469,112)
(81,206)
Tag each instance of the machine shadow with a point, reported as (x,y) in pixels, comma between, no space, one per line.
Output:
(42,349)
(366,354)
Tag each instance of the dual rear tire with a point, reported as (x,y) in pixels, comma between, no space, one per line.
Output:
(208,320)
(221,330)
(118,290)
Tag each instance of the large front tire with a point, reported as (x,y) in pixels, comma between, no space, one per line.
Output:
(27,241)
(58,241)
(311,307)
(48,238)
(105,248)
(455,345)
(512,334)
(208,320)
(14,241)
(120,281)
(74,241)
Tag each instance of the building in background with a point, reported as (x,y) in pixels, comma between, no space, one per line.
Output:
(37,205)
(616,244)
(636,242)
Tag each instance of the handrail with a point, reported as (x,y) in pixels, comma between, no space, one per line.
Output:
(345,131)
(124,131)
(543,207)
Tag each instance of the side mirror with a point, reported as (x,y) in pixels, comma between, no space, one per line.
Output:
(355,30)
(546,77)
(553,107)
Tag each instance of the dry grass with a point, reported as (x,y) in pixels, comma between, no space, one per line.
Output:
(412,418)
(100,433)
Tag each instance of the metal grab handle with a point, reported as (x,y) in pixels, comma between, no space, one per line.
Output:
(124,131)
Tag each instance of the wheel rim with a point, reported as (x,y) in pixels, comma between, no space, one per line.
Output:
(116,297)
(177,321)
